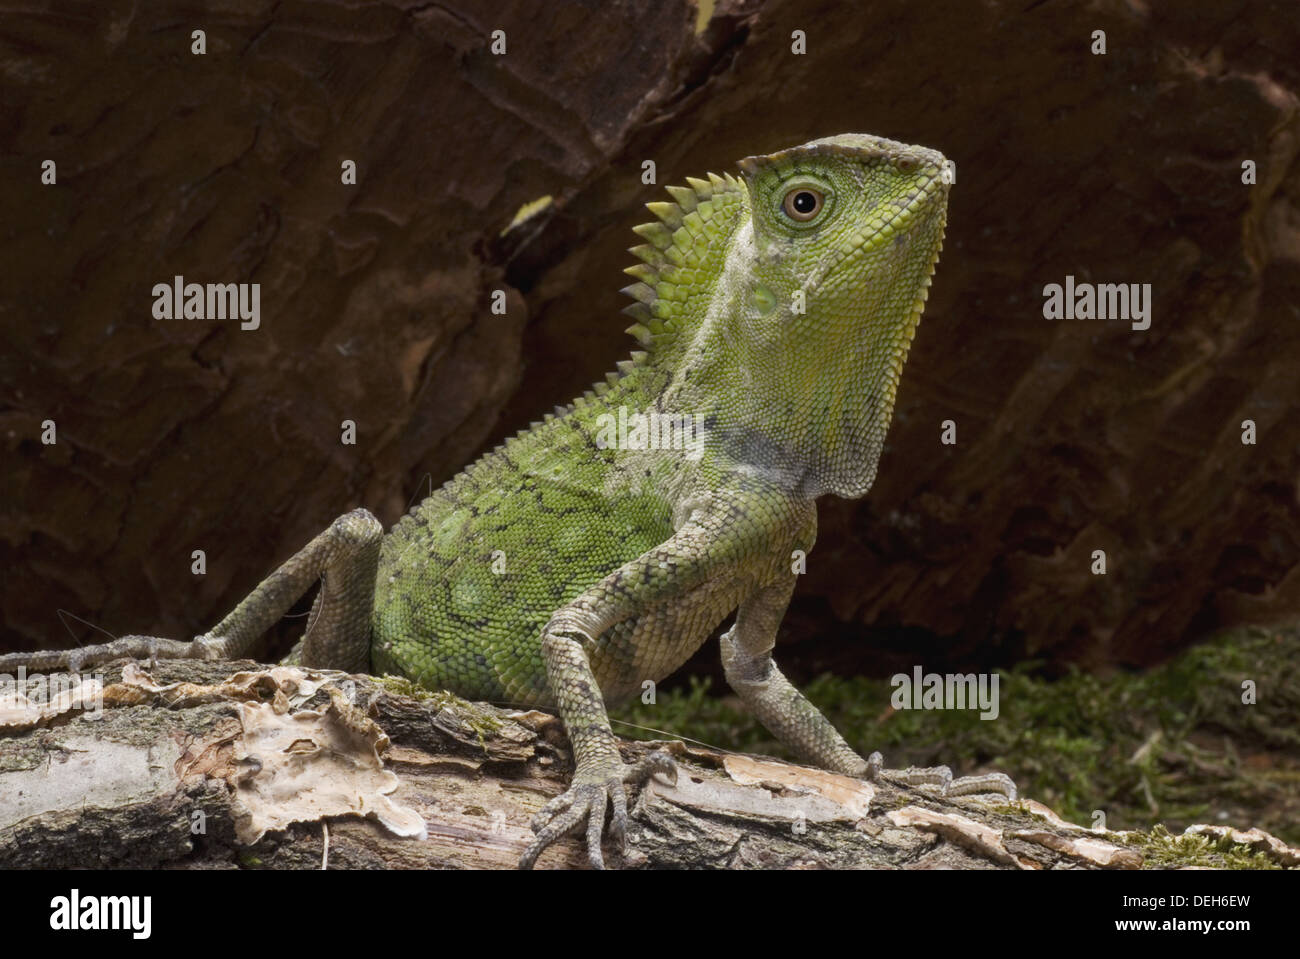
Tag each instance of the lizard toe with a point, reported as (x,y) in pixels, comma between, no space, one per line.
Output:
(656,762)
(550,827)
(618,818)
(942,777)
(566,813)
(988,783)
(596,826)
(551,811)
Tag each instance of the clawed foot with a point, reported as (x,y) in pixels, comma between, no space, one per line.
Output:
(941,776)
(591,793)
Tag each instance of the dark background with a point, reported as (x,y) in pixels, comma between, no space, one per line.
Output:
(1072,435)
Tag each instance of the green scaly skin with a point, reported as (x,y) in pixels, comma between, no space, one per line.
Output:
(560,571)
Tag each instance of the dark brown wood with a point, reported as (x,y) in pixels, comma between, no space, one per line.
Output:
(1071,435)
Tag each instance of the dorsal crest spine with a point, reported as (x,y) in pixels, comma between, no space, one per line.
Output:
(688,231)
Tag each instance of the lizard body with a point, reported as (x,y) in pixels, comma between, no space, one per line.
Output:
(562,570)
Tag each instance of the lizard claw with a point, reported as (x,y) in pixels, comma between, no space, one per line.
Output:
(941,776)
(567,812)
(656,762)
(587,800)
(987,783)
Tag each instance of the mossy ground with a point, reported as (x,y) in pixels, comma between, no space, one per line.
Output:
(1172,745)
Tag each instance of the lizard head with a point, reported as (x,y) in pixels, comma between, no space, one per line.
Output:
(782,305)
(842,239)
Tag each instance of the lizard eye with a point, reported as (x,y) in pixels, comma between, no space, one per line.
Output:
(802,203)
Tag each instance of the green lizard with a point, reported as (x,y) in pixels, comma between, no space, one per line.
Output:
(565,567)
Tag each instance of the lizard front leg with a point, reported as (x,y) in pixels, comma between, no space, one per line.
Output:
(788,715)
(707,546)
(782,709)
(600,772)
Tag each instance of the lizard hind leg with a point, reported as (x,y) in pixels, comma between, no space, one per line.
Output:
(344,556)
(747,660)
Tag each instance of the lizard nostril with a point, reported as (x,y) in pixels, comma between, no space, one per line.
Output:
(907,164)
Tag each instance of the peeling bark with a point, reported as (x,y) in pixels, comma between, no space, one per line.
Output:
(171,771)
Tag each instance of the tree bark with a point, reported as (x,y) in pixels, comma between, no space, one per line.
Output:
(203,765)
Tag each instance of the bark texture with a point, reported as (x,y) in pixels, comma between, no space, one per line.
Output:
(174,766)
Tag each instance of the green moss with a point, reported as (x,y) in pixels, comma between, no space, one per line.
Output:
(402,686)
(1016,810)
(1173,744)
(1162,850)
(482,721)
